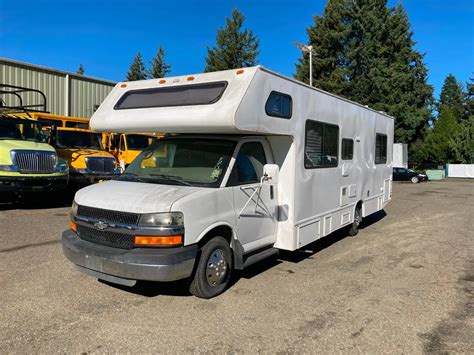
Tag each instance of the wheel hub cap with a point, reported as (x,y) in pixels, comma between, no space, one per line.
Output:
(216,267)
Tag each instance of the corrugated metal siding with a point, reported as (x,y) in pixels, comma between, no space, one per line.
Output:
(85,96)
(51,85)
(84,92)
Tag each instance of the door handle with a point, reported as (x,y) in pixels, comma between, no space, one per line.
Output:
(271,192)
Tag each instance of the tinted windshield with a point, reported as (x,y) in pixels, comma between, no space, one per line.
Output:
(182,161)
(21,130)
(78,139)
(138,141)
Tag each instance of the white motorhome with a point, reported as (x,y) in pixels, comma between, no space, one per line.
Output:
(252,162)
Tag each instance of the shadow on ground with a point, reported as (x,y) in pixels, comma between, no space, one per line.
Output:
(181,288)
(37,200)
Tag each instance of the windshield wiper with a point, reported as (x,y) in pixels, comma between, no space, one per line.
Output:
(178,179)
(132,175)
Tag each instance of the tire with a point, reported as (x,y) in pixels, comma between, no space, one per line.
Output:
(415,180)
(208,280)
(354,230)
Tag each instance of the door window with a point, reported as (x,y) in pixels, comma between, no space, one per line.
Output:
(122,143)
(248,167)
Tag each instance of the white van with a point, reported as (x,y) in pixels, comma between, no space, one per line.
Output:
(252,162)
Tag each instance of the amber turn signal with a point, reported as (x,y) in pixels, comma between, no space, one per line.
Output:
(74,227)
(158,241)
(240,71)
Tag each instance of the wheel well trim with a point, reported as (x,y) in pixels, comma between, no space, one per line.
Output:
(215,225)
(362,208)
(235,246)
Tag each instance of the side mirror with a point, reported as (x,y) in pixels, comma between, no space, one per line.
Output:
(270,174)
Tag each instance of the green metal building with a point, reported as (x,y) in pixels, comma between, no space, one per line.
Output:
(68,94)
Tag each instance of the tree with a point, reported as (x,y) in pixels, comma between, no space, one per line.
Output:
(235,48)
(453,96)
(451,140)
(80,70)
(159,68)
(137,69)
(365,52)
(442,144)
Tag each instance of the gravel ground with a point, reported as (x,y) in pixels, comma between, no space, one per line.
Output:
(403,285)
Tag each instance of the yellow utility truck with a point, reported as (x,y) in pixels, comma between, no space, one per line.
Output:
(27,161)
(81,147)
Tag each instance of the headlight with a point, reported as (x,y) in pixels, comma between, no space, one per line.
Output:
(61,166)
(74,209)
(169,219)
(6,168)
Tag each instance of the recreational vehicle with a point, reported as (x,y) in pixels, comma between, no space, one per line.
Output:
(253,162)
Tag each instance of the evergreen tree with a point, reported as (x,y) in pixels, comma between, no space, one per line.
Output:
(328,36)
(235,48)
(365,53)
(159,68)
(80,70)
(453,96)
(441,144)
(137,69)
(446,137)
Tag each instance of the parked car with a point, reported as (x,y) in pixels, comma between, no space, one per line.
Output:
(402,174)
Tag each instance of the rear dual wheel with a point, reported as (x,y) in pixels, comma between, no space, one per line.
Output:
(213,270)
(357,220)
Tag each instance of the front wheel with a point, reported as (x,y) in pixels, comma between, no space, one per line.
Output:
(213,270)
(415,180)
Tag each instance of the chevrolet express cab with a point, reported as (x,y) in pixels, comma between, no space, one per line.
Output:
(253,162)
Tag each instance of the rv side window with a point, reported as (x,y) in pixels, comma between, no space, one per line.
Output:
(182,95)
(248,167)
(380,149)
(279,105)
(321,143)
(347,149)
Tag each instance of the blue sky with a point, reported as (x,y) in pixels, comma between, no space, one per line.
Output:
(105,35)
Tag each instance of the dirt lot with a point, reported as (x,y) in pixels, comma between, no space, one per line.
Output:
(403,285)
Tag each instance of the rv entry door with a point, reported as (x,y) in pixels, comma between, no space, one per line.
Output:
(255,203)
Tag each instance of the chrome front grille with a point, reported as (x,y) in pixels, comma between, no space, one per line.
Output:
(34,161)
(114,217)
(100,165)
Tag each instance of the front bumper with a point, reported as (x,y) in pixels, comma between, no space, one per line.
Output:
(91,178)
(36,183)
(126,266)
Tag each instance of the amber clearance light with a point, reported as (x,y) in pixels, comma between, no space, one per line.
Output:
(166,241)
(74,227)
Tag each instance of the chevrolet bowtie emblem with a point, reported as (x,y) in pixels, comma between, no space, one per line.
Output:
(101,225)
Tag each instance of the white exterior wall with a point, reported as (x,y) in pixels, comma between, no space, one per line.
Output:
(400,155)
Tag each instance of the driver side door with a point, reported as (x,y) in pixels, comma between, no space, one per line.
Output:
(255,204)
